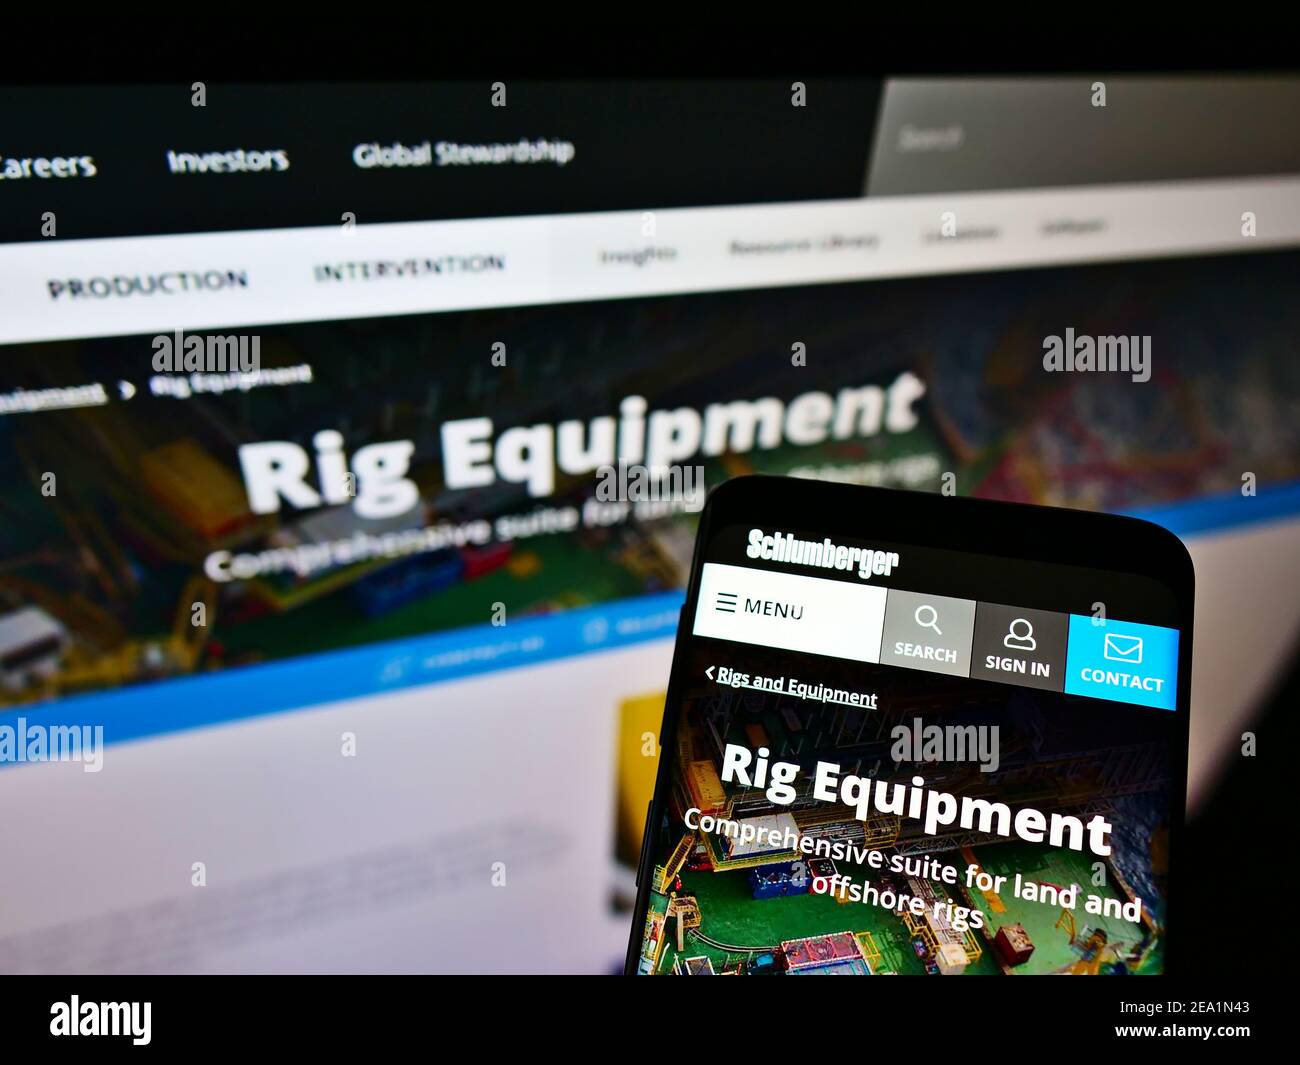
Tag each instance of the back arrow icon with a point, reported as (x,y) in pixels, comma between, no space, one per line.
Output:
(709,672)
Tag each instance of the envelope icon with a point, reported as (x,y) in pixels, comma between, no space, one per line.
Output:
(1119,648)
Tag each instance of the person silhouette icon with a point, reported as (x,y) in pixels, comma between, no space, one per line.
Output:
(1022,640)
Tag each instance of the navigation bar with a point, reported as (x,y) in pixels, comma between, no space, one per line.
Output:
(130,160)
(57,289)
(1100,658)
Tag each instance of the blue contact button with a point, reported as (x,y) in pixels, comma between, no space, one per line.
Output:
(1122,661)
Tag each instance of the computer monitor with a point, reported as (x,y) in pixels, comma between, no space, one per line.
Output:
(326,641)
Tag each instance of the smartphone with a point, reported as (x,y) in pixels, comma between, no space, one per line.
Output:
(915,734)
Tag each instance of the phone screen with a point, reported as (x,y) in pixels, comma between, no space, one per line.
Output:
(891,757)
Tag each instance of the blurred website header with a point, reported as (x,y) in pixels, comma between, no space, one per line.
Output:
(153,160)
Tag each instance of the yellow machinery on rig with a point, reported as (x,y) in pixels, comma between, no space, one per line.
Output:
(664,874)
(687,911)
(107,659)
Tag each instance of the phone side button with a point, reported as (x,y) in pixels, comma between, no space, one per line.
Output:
(645,842)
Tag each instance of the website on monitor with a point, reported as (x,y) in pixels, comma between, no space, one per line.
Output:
(317,522)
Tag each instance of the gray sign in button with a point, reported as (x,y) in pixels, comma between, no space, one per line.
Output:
(930,632)
(1018,646)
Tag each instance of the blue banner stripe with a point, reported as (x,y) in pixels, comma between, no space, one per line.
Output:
(251,691)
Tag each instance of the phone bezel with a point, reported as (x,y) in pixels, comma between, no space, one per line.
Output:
(1016,531)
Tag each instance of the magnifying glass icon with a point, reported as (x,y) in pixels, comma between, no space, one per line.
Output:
(928,618)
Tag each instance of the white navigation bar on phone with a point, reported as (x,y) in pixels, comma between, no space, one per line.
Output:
(785,610)
(1116,660)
